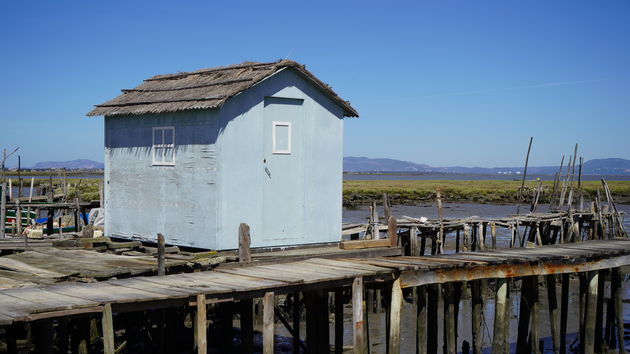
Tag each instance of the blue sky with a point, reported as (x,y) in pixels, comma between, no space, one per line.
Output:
(437,82)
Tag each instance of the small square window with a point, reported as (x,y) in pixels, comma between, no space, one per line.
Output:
(281,137)
(163,146)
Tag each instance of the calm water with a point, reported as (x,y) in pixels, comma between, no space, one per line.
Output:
(458,177)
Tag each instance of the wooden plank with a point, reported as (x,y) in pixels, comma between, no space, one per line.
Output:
(144,285)
(360,244)
(15,265)
(47,300)
(394,316)
(254,272)
(346,265)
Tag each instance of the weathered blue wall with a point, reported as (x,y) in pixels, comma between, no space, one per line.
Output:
(219,178)
(179,201)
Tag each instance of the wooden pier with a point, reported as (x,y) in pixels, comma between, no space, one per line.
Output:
(160,304)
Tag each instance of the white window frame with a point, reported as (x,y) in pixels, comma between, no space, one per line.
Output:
(274,148)
(162,146)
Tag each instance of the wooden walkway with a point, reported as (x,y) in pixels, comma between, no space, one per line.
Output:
(249,281)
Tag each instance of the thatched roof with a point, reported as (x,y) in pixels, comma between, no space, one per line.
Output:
(204,89)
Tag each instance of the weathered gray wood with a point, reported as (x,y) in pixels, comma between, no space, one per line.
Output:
(200,325)
(160,255)
(413,241)
(590,312)
(244,241)
(247,326)
(564,312)
(535,317)
(268,323)
(450,335)
(501,316)
(3,208)
(338,321)
(394,317)
(493,232)
(433,294)
(107,324)
(358,308)
(392,234)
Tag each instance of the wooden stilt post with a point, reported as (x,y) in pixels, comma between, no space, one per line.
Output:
(413,241)
(43,336)
(247,326)
(501,316)
(338,321)
(391,231)
(599,314)
(534,324)
(582,305)
(450,335)
(617,296)
(268,323)
(421,319)
(493,232)
(552,300)
(359,340)
(244,240)
(296,322)
(394,317)
(108,330)
(477,305)
(200,325)
(3,208)
(527,284)
(433,293)
(590,312)
(161,246)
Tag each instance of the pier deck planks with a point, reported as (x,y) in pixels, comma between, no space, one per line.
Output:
(58,299)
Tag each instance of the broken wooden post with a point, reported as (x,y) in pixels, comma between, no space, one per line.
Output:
(501,316)
(359,339)
(493,232)
(413,241)
(107,323)
(268,323)
(450,335)
(420,295)
(18,218)
(394,317)
(590,312)
(244,240)
(200,325)
(386,208)
(160,254)
(392,234)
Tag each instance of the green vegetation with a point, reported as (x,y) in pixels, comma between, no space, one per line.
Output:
(56,172)
(86,188)
(413,192)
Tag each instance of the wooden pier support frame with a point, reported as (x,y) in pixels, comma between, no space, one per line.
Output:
(528,316)
(42,336)
(268,323)
(201,341)
(317,326)
(501,317)
(395,309)
(358,308)
(420,297)
(107,323)
(590,311)
(246,308)
(450,318)
(554,311)
(433,294)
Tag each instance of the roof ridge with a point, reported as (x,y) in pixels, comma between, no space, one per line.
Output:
(243,65)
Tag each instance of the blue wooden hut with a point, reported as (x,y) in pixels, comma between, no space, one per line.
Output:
(194,154)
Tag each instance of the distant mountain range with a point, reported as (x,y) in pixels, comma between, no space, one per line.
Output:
(612,166)
(70,165)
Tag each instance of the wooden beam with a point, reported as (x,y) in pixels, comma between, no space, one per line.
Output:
(358,307)
(107,323)
(200,325)
(360,244)
(268,323)
(394,317)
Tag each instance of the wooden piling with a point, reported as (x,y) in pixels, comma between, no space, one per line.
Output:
(501,316)
(413,241)
(3,208)
(534,325)
(296,322)
(450,318)
(107,323)
(358,339)
(421,319)
(338,321)
(477,306)
(247,326)
(433,294)
(590,311)
(268,323)
(394,317)
(528,285)
(200,325)
(554,316)
(391,231)
(616,293)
